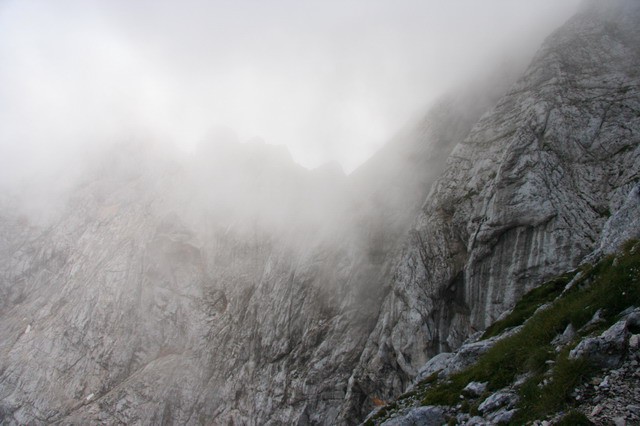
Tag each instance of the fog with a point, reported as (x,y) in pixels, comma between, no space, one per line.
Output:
(332,81)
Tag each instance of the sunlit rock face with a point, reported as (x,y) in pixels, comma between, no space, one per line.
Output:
(232,286)
(523,197)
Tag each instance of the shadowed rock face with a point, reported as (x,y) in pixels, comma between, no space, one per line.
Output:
(238,288)
(523,197)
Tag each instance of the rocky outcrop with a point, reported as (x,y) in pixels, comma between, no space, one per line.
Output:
(608,349)
(523,198)
(420,416)
(624,225)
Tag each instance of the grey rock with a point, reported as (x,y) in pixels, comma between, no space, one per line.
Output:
(623,225)
(476,421)
(566,336)
(635,409)
(605,350)
(500,399)
(502,416)
(168,309)
(630,310)
(435,364)
(619,421)
(420,416)
(523,198)
(462,418)
(474,389)
(594,321)
(470,352)
(172,305)
(633,319)
(608,349)
(596,410)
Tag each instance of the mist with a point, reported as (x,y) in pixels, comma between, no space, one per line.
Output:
(280,212)
(331,81)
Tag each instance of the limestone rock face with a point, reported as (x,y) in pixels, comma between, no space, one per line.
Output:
(233,286)
(525,196)
(222,289)
(623,225)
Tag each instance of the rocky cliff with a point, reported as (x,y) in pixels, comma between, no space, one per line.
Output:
(566,354)
(231,286)
(237,288)
(523,197)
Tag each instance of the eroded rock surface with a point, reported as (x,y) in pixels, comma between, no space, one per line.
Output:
(155,298)
(233,286)
(523,198)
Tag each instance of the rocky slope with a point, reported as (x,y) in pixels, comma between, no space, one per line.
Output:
(567,354)
(237,288)
(523,198)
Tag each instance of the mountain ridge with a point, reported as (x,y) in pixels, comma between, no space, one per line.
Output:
(253,299)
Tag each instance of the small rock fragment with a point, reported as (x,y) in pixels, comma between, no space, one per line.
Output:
(474,389)
(635,409)
(428,415)
(596,410)
(564,338)
(498,400)
(502,416)
(634,341)
(605,350)
(619,421)
(476,421)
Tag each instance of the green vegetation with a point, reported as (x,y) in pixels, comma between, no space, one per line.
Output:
(531,301)
(536,402)
(612,285)
(574,418)
(382,413)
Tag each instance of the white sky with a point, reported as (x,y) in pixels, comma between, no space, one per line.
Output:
(332,80)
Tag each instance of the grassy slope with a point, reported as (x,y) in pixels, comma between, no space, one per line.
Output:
(612,285)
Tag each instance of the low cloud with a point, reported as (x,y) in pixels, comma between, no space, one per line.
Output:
(330,80)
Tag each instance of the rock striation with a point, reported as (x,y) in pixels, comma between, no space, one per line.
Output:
(231,287)
(238,288)
(524,197)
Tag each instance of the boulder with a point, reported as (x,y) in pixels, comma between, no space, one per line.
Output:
(420,416)
(474,389)
(608,349)
(506,399)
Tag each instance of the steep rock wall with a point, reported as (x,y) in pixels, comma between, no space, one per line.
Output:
(220,289)
(524,197)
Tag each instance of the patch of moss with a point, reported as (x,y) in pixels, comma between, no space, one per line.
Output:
(474,409)
(574,418)
(537,401)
